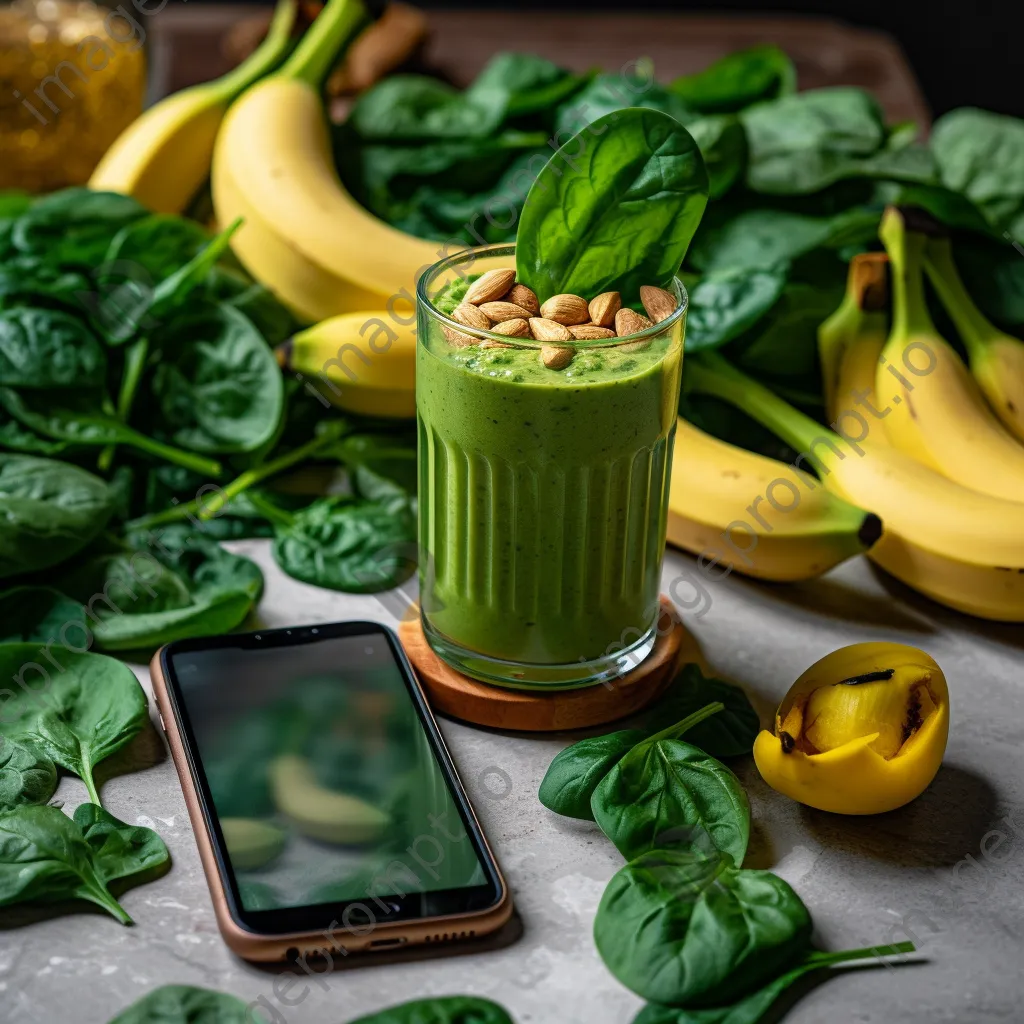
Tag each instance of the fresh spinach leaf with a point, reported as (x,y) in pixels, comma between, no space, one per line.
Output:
(440,1010)
(725,303)
(608,93)
(120,851)
(76,717)
(980,156)
(36,614)
(576,771)
(383,466)
(682,929)
(186,1004)
(254,301)
(75,225)
(354,545)
(46,348)
(727,733)
(45,858)
(177,584)
(16,437)
(803,142)
(49,511)
(752,1009)
(218,387)
(13,203)
(26,776)
(667,793)
(524,83)
(159,244)
(723,145)
(738,80)
(30,281)
(614,208)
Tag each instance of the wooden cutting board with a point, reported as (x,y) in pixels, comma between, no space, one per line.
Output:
(186,46)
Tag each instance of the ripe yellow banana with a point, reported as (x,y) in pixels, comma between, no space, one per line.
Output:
(996,359)
(361,362)
(163,157)
(304,236)
(939,415)
(850,343)
(713,487)
(960,547)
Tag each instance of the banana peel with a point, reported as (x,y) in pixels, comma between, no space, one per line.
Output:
(862,731)
(361,362)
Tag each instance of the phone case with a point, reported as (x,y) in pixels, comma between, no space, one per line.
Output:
(253,946)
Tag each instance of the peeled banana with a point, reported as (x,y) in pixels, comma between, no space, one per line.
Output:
(304,236)
(938,414)
(996,359)
(361,362)
(163,157)
(714,485)
(958,546)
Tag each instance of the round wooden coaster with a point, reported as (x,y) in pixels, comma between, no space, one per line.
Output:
(460,697)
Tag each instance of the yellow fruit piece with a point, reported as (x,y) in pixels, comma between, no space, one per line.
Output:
(251,843)
(322,813)
(862,731)
(361,362)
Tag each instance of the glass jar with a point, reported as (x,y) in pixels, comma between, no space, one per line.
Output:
(72,77)
(543,493)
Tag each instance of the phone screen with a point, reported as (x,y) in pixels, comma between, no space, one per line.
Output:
(325,781)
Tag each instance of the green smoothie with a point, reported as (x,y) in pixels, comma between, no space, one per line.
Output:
(543,495)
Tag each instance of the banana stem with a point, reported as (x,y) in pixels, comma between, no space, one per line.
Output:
(974,328)
(316,53)
(710,374)
(266,56)
(906,256)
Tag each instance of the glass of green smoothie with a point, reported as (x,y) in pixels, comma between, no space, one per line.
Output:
(544,467)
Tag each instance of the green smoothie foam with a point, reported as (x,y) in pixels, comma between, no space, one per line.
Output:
(543,494)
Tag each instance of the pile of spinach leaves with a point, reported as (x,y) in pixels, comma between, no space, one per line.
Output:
(798,182)
(144,420)
(683,924)
(72,719)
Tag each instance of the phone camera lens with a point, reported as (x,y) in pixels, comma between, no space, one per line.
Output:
(258,637)
(314,631)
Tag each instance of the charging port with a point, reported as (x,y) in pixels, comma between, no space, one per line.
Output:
(386,943)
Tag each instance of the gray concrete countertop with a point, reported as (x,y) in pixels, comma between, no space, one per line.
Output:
(923,868)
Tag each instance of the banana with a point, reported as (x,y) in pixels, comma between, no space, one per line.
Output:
(850,342)
(714,484)
(362,362)
(163,157)
(960,547)
(304,236)
(938,414)
(996,359)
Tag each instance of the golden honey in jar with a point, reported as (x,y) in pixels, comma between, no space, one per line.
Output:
(72,77)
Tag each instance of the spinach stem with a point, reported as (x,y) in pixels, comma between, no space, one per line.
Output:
(90,784)
(134,363)
(187,460)
(677,730)
(824,958)
(102,898)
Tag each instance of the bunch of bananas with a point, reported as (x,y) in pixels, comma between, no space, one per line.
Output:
(260,136)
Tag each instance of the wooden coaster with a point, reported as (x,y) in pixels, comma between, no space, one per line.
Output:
(458,696)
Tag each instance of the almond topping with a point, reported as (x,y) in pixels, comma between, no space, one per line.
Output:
(472,316)
(566,309)
(554,357)
(517,328)
(628,321)
(548,330)
(490,286)
(457,339)
(660,304)
(525,297)
(588,332)
(500,311)
(604,307)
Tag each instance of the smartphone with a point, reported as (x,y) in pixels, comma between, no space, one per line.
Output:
(328,813)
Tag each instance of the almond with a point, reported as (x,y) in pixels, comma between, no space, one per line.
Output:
(604,307)
(490,286)
(660,304)
(517,328)
(566,309)
(491,343)
(501,311)
(548,330)
(554,357)
(628,321)
(634,346)
(588,332)
(525,297)
(472,316)
(458,339)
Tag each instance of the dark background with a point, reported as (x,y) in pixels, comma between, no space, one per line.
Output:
(964,52)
